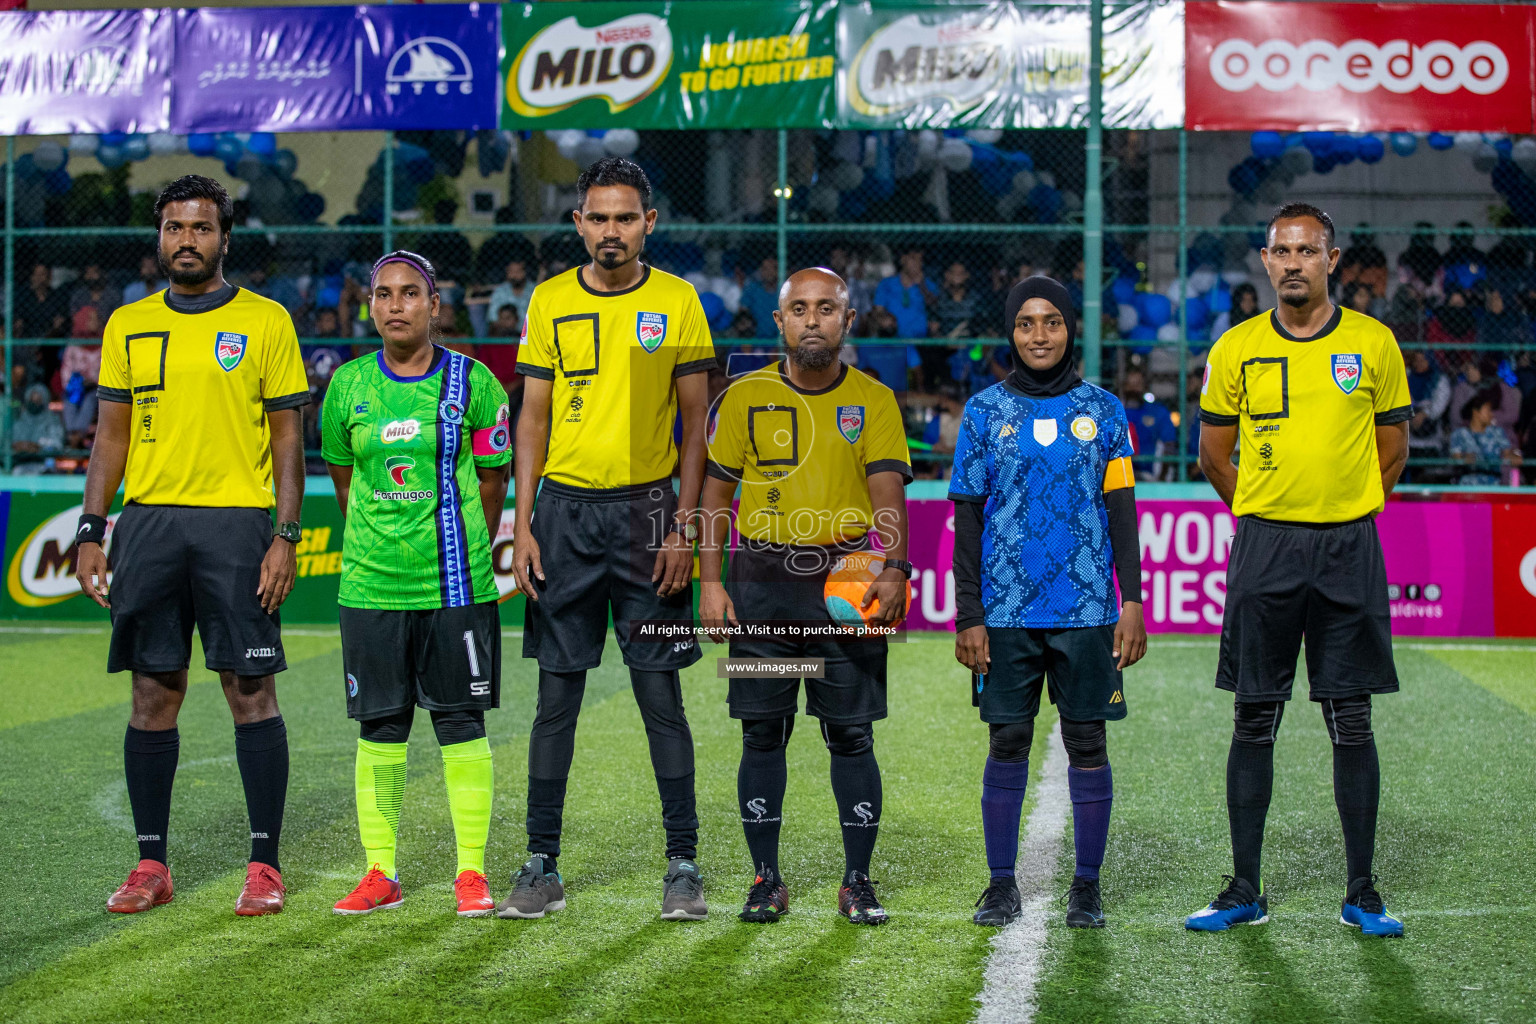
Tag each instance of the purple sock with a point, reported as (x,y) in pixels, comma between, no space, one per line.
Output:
(1002,801)
(1093,791)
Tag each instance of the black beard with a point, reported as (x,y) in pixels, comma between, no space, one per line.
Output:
(813,357)
(1296,301)
(191,278)
(608,260)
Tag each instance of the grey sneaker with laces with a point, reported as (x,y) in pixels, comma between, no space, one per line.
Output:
(534,892)
(682,892)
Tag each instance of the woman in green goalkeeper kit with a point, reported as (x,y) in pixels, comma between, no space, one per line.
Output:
(418,443)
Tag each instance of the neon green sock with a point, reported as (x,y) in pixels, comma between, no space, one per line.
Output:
(467,773)
(380,791)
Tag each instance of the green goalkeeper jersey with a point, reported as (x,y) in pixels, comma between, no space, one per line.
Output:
(416,532)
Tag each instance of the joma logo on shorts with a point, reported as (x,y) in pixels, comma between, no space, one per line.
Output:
(261,652)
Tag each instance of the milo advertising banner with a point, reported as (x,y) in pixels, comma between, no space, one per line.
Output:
(668,65)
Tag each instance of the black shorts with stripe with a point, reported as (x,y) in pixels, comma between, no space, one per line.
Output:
(440,659)
(1075,667)
(1326,582)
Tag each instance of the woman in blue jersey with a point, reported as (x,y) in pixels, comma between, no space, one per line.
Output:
(418,444)
(1045,517)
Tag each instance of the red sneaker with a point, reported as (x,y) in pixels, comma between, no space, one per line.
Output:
(474,894)
(262,893)
(148,885)
(377,891)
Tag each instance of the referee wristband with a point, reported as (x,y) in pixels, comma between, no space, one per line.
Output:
(91,530)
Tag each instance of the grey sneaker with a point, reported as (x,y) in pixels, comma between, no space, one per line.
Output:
(534,891)
(682,892)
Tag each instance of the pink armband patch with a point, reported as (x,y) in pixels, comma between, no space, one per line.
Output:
(491,440)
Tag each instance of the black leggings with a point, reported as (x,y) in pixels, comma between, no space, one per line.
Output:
(450,726)
(1086,742)
(1348,720)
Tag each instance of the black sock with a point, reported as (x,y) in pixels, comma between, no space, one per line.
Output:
(856,786)
(1357,792)
(1250,781)
(679,816)
(261,748)
(760,783)
(149,763)
(546,808)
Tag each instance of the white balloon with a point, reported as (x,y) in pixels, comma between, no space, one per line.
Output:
(845,177)
(621,141)
(823,198)
(1524,155)
(955,155)
(1047,179)
(1468,141)
(83,145)
(1168,332)
(1202,281)
(1484,158)
(589,151)
(1071,200)
(48,156)
(928,143)
(1234,277)
(1174,291)
(566,142)
(1127,318)
(985,136)
(1024,181)
(165,144)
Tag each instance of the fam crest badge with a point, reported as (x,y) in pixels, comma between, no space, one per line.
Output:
(651,330)
(1346,371)
(229,349)
(850,421)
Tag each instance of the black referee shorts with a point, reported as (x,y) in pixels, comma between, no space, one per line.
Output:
(1327,582)
(598,549)
(1077,668)
(176,566)
(441,659)
(775,584)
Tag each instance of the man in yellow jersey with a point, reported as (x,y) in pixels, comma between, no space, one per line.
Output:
(1318,397)
(612,352)
(821,456)
(201,390)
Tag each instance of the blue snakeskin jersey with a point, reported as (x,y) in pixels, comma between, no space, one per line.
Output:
(1039,465)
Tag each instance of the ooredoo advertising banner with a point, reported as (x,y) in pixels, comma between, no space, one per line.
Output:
(1514,569)
(1358,67)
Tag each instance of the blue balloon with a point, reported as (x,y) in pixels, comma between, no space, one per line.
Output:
(110,157)
(1403,144)
(309,207)
(1267,145)
(57,182)
(1345,156)
(1323,164)
(1318,143)
(1046,202)
(1194,313)
(1440,141)
(1505,148)
(1345,146)
(1123,290)
(201,144)
(113,139)
(1219,299)
(136,148)
(1371,149)
(262,143)
(1156,310)
(228,149)
(1141,332)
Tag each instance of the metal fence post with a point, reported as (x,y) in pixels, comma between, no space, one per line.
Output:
(10,292)
(1183,391)
(782,193)
(1093,201)
(389,193)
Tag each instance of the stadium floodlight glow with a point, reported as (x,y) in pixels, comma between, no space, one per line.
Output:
(1278,65)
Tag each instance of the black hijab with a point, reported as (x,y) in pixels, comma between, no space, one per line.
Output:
(1062,377)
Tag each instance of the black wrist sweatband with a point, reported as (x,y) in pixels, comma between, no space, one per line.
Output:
(91,529)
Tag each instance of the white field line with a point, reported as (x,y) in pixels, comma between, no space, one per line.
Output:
(1155,642)
(1013,967)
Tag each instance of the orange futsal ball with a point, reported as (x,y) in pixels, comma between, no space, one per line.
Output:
(850,577)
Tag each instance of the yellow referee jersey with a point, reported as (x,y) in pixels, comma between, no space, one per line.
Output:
(803,457)
(1307,411)
(201,385)
(612,357)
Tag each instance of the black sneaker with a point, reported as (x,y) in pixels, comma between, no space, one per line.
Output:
(1083,907)
(534,892)
(857,902)
(999,904)
(682,892)
(768,899)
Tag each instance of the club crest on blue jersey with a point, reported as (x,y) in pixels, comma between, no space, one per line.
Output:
(229,349)
(651,330)
(351,685)
(1346,371)
(850,421)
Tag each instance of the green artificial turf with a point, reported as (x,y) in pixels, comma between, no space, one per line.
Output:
(1455,860)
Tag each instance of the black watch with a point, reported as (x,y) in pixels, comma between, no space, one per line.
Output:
(900,566)
(290,532)
(689,530)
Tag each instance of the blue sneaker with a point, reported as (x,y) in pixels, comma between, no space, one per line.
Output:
(1237,904)
(1363,909)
